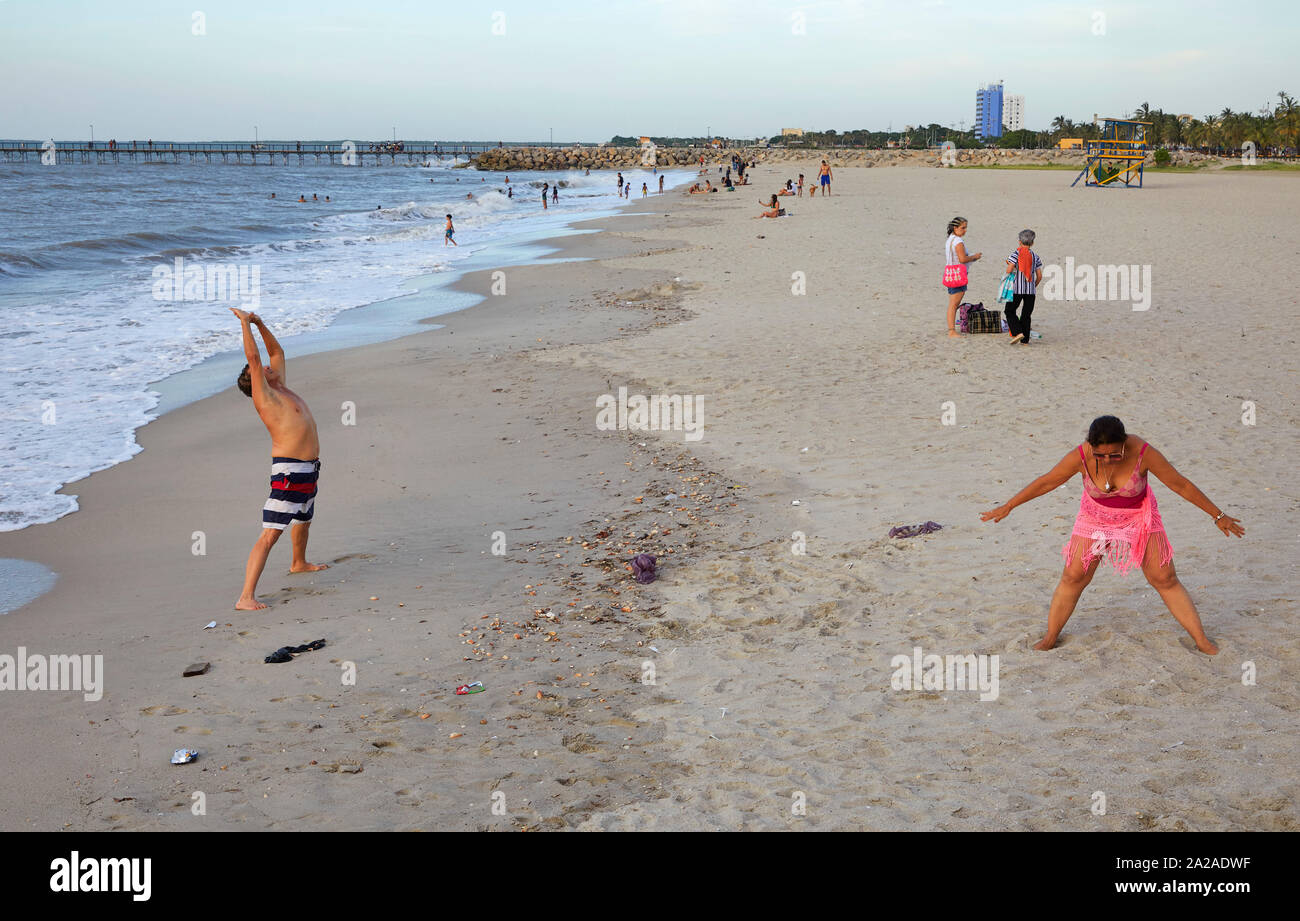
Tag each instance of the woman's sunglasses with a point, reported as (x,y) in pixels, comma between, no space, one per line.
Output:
(1109,457)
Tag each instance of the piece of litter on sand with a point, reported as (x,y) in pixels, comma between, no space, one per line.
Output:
(714,738)
(795,502)
(472,688)
(654,648)
(1171,747)
(198,668)
(643,568)
(184,755)
(912,530)
(209,626)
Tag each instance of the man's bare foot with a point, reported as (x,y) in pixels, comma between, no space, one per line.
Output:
(1045,643)
(308,567)
(249,604)
(1207,647)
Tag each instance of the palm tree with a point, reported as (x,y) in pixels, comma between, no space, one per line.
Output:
(1230,128)
(1287,115)
(1211,131)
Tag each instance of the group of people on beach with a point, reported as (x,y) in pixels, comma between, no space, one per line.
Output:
(1022,264)
(795,189)
(625,186)
(1118,519)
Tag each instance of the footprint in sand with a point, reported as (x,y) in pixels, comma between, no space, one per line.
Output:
(162,710)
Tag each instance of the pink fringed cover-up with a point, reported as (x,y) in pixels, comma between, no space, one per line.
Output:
(1120,529)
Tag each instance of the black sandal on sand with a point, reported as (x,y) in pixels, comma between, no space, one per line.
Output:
(286,653)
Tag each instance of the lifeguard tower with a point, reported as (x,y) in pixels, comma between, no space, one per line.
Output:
(1118,156)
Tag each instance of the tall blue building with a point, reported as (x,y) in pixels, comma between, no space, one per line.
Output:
(988,111)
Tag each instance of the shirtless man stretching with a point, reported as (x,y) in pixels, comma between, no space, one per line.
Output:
(295,453)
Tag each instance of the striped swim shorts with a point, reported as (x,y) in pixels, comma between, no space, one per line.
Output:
(293,492)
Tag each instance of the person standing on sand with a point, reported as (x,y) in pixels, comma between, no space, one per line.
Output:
(295,457)
(1028,269)
(661,183)
(954,270)
(1118,520)
(825,177)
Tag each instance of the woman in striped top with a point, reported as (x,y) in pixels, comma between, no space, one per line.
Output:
(1028,270)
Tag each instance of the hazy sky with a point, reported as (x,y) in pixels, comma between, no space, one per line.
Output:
(590,69)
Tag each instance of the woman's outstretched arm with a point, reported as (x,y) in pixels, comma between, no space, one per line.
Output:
(1050,480)
(1158,464)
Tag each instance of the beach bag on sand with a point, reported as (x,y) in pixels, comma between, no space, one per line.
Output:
(954,276)
(963,310)
(979,320)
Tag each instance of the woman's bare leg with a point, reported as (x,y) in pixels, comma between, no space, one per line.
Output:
(954,301)
(1074,580)
(1165,581)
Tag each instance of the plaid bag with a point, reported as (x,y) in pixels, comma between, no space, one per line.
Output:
(979,320)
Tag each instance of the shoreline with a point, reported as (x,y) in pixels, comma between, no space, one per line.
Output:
(772,667)
(428,296)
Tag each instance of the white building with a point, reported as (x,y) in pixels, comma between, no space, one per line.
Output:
(1013,113)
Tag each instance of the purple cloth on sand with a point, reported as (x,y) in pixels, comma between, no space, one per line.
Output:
(912,530)
(643,567)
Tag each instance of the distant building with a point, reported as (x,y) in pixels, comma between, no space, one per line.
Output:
(644,140)
(988,111)
(1013,113)
(1070,143)
(791,132)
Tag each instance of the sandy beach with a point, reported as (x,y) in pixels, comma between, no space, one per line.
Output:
(823,428)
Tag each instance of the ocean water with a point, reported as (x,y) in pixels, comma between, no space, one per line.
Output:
(95,307)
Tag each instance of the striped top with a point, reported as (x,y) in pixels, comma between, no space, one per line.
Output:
(1023,285)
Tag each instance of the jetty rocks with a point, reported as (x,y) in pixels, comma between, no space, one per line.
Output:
(559,158)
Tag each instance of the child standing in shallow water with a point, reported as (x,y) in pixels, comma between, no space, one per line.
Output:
(1028,270)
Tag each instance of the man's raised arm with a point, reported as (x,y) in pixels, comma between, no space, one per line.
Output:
(254,357)
(274,353)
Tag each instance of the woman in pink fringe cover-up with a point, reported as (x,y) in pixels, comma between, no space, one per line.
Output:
(1119,522)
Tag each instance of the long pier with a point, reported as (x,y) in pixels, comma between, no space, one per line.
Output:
(345,153)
